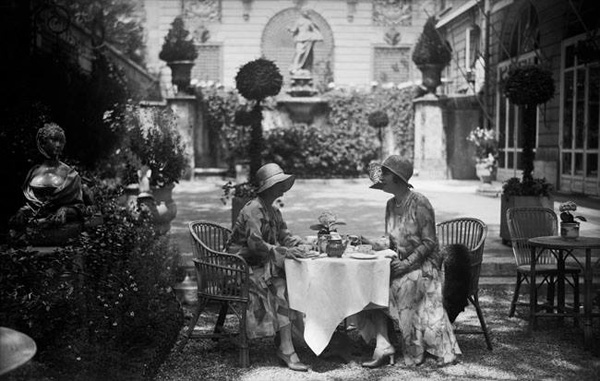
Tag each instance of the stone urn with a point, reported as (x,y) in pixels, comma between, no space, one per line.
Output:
(431,75)
(166,209)
(181,74)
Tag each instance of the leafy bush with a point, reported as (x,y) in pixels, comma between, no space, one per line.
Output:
(152,139)
(309,152)
(102,308)
(534,187)
(529,85)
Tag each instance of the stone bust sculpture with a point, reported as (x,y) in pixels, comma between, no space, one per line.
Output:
(54,193)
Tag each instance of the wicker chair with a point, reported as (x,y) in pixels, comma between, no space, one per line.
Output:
(472,233)
(222,278)
(529,222)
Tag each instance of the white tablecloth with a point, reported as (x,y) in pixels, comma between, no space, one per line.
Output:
(327,290)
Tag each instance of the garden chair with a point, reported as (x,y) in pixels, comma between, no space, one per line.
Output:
(529,222)
(222,278)
(472,233)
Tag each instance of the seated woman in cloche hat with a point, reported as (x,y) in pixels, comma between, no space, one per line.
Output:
(416,279)
(260,235)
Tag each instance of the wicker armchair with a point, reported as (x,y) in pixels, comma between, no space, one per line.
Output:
(529,222)
(472,233)
(222,278)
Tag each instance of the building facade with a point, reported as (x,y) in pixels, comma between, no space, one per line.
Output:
(559,35)
(363,40)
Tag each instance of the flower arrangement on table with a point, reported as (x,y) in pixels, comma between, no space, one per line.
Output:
(565,210)
(328,223)
(569,228)
(329,239)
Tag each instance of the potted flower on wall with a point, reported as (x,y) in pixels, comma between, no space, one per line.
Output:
(179,51)
(431,55)
(486,152)
(526,86)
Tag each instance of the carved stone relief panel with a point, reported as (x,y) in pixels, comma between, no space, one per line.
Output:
(392,12)
(197,14)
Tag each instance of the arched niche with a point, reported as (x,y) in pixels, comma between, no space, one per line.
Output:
(277,44)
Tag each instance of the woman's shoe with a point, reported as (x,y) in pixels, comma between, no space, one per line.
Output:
(380,358)
(297,366)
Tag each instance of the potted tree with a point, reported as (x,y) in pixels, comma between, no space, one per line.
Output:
(431,55)
(526,86)
(179,51)
(155,160)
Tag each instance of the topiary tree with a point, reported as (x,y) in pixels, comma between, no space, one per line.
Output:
(528,86)
(431,55)
(430,48)
(178,46)
(255,81)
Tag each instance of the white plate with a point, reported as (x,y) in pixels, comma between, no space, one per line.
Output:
(362,256)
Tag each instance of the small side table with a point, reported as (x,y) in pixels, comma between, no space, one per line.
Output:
(539,244)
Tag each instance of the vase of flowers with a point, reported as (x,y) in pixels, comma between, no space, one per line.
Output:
(327,225)
(486,152)
(569,228)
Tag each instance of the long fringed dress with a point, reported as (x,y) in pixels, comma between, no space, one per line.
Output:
(261,236)
(416,301)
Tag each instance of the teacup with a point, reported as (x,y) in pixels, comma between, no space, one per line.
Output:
(364,248)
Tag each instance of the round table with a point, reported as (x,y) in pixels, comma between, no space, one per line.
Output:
(562,245)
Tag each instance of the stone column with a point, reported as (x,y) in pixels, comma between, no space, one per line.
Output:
(184,106)
(430,138)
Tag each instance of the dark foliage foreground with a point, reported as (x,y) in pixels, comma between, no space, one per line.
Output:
(101,308)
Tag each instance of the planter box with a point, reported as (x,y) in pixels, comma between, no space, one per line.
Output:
(508,202)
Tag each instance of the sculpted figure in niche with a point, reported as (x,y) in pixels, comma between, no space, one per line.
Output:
(53,190)
(306,34)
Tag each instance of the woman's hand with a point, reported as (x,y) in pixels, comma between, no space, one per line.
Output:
(398,268)
(294,253)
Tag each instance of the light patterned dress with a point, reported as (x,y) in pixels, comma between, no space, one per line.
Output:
(416,296)
(260,236)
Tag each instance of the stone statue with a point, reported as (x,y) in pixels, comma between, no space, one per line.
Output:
(54,193)
(306,34)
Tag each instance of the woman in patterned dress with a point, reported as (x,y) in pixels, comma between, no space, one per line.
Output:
(261,237)
(416,302)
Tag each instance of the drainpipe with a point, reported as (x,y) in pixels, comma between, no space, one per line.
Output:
(486,61)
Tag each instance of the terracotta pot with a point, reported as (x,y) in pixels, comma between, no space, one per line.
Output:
(569,230)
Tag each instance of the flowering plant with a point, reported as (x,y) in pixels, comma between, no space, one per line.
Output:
(565,209)
(327,223)
(486,143)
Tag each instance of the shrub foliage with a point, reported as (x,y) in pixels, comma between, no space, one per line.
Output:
(102,308)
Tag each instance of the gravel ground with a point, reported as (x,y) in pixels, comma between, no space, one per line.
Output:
(554,352)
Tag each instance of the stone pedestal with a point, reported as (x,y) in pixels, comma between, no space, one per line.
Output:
(185,107)
(430,138)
